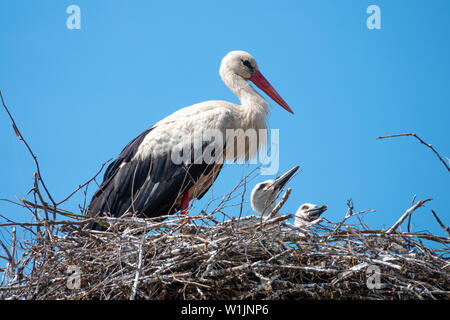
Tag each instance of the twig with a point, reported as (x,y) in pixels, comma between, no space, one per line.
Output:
(38,193)
(280,204)
(421,141)
(84,184)
(10,257)
(16,130)
(409,218)
(50,222)
(350,208)
(406,214)
(46,207)
(242,198)
(440,222)
(139,268)
(349,214)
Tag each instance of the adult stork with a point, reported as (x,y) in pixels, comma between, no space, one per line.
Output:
(144,180)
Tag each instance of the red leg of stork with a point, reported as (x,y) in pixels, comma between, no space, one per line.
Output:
(185,205)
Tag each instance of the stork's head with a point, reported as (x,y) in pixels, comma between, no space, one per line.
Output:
(242,65)
(308,213)
(265,194)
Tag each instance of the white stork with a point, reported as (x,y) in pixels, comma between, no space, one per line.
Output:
(144,179)
(308,214)
(265,194)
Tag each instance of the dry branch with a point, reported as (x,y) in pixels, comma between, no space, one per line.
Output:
(421,141)
(407,214)
(280,204)
(84,184)
(447,229)
(16,130)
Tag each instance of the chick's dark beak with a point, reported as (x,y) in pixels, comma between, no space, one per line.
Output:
(316,212)
(282,180)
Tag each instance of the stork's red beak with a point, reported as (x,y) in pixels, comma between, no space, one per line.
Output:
(261,82)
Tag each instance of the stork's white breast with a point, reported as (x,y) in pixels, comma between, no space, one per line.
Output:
(185,125)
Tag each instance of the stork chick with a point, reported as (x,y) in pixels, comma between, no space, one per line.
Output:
(265,194)
(308,214)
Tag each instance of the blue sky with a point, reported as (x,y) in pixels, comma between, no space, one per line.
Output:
(79,96)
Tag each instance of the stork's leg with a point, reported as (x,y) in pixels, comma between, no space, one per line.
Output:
(185,205)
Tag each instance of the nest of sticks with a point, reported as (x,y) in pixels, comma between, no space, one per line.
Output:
(245,258)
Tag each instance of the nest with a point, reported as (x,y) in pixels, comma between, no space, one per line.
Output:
(246,258)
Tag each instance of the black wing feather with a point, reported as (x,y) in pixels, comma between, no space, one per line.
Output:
(127,153)
(148,187)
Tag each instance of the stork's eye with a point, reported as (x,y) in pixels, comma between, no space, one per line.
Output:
(247,64)
(262,185)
